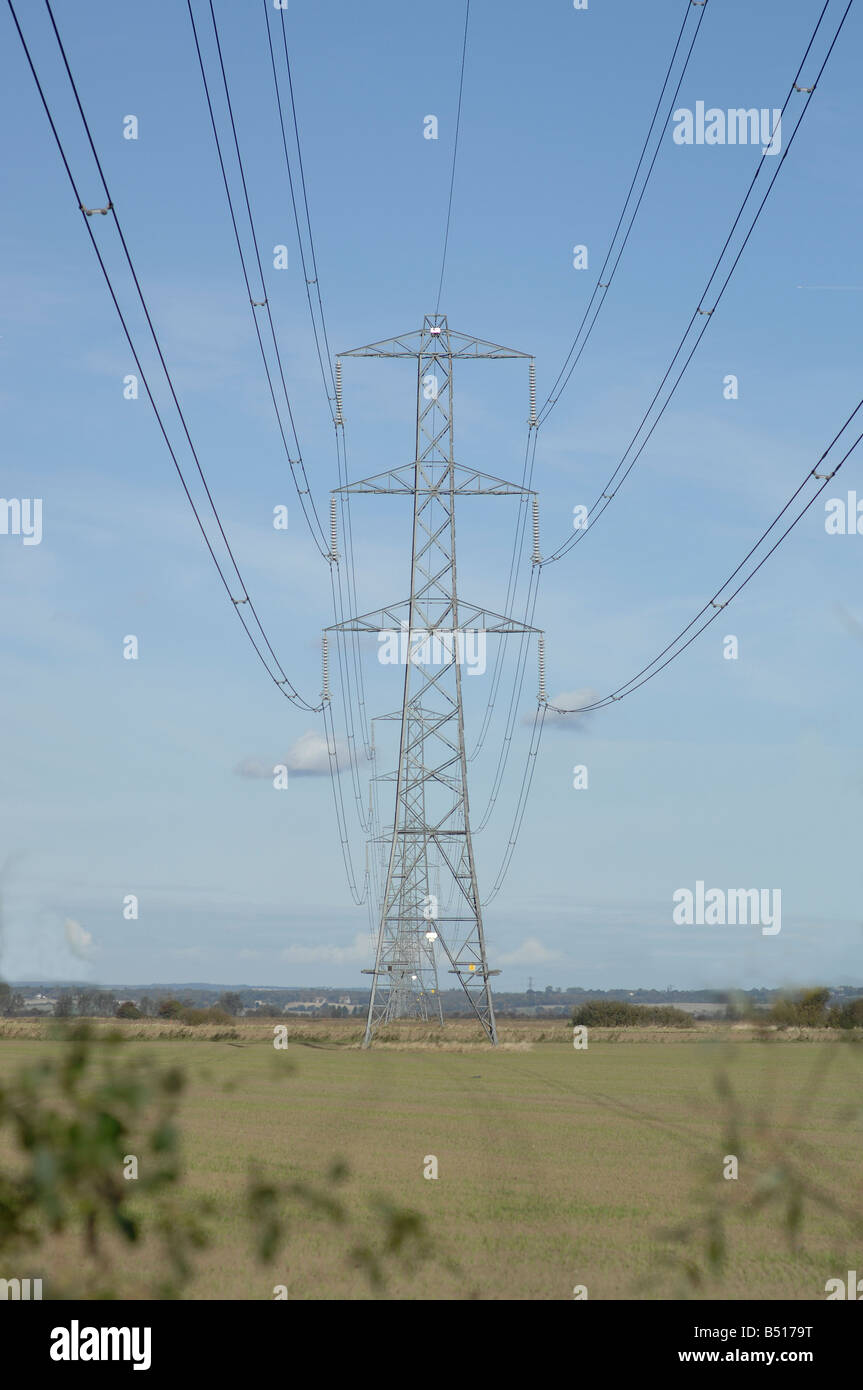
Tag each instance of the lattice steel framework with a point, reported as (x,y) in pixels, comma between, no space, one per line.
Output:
(431,893)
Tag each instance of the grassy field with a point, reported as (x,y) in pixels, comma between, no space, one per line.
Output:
(556,1167)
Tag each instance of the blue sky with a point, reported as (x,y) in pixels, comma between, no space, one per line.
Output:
(126,777)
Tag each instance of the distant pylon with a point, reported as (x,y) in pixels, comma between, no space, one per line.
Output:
(432,632)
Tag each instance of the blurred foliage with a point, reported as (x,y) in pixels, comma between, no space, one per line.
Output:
(399,1236)
(74,1121)
(774,1180)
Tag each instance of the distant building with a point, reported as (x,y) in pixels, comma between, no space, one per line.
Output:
(305,1006)
(703,1010)
(39,1004)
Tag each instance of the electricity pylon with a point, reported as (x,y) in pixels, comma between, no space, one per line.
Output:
(411,965)
(431,836)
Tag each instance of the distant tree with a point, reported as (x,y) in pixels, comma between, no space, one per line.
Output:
(847,1015)
(231,1003)
(127,1010)
(95,1003)
(64,1005)
(87,999)
(213,1014)
(806,1010)
(146,1006)
(170,1008)
(5,999)
(617,1013)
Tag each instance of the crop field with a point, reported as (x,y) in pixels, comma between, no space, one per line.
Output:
(597,1170)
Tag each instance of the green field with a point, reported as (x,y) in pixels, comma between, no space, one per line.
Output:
(556,1167)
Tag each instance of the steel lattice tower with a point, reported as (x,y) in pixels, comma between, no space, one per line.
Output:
(431,836)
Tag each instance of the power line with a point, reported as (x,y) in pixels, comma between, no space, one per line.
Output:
(551,399)
(606,496)
(648,672)
(341,819)
(330,391)
(324,356)
(642,677)
(332,747)
(515,697)
(454,156)
(284,684)
(512,583)
(347,656)
(532,589)
(521,803)
(316,279)
(328,553)
(302,492)
(603,284)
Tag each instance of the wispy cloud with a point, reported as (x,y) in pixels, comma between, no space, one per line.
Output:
(530,952)
(329,955)
(78,939)
(253,768)
(851,623)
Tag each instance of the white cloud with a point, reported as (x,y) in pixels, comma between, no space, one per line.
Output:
(567,700)
(307,757)
(530,952)
(78,939)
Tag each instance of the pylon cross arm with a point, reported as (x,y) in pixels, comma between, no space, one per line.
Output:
(466,482)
